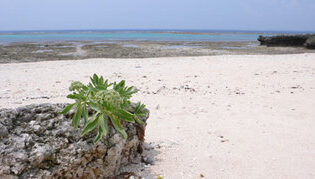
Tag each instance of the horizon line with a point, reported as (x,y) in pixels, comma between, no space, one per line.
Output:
(160,29)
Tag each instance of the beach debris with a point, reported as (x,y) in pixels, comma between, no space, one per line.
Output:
(296,87)
(239,92)
(40,97)
(188,88)
(222,139)
(159,90)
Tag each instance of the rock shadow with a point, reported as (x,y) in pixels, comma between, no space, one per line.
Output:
(143,167)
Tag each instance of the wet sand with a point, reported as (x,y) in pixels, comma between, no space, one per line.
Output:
(74,50)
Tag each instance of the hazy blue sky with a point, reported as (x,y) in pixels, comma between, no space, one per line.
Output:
(157,14)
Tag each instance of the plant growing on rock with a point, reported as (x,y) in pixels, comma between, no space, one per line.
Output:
(109,102)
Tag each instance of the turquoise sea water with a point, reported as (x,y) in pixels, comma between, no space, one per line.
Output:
(99,35)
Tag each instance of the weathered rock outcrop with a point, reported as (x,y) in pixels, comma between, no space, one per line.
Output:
(284,40)
(38,142)
(310,43)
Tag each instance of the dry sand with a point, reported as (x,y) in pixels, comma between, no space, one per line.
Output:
(219,116)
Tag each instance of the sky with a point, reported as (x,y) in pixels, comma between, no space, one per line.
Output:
(279,15)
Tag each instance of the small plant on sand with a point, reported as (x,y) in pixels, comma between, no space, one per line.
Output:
(109,103)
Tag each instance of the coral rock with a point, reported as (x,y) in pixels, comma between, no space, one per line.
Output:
(38,142)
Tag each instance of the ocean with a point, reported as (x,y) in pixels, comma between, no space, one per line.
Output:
(155,35)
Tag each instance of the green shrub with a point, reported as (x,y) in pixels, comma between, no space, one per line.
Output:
(109,103)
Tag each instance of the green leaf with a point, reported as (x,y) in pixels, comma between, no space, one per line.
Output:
(124,115)
(75,96)
(99,135)
(93,82)
(106,83)
(94,106)
(90,125)
(95,78)
(101,80)
(85,88)
(67,108)
(118,107)
(77,116)
(102,122)
(139,110)
(117,126)
(85,114)
(71,96)
(139,121)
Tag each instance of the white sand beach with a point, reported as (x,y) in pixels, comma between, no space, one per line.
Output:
(241,116)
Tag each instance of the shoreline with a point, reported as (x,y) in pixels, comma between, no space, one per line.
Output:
(74,50)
